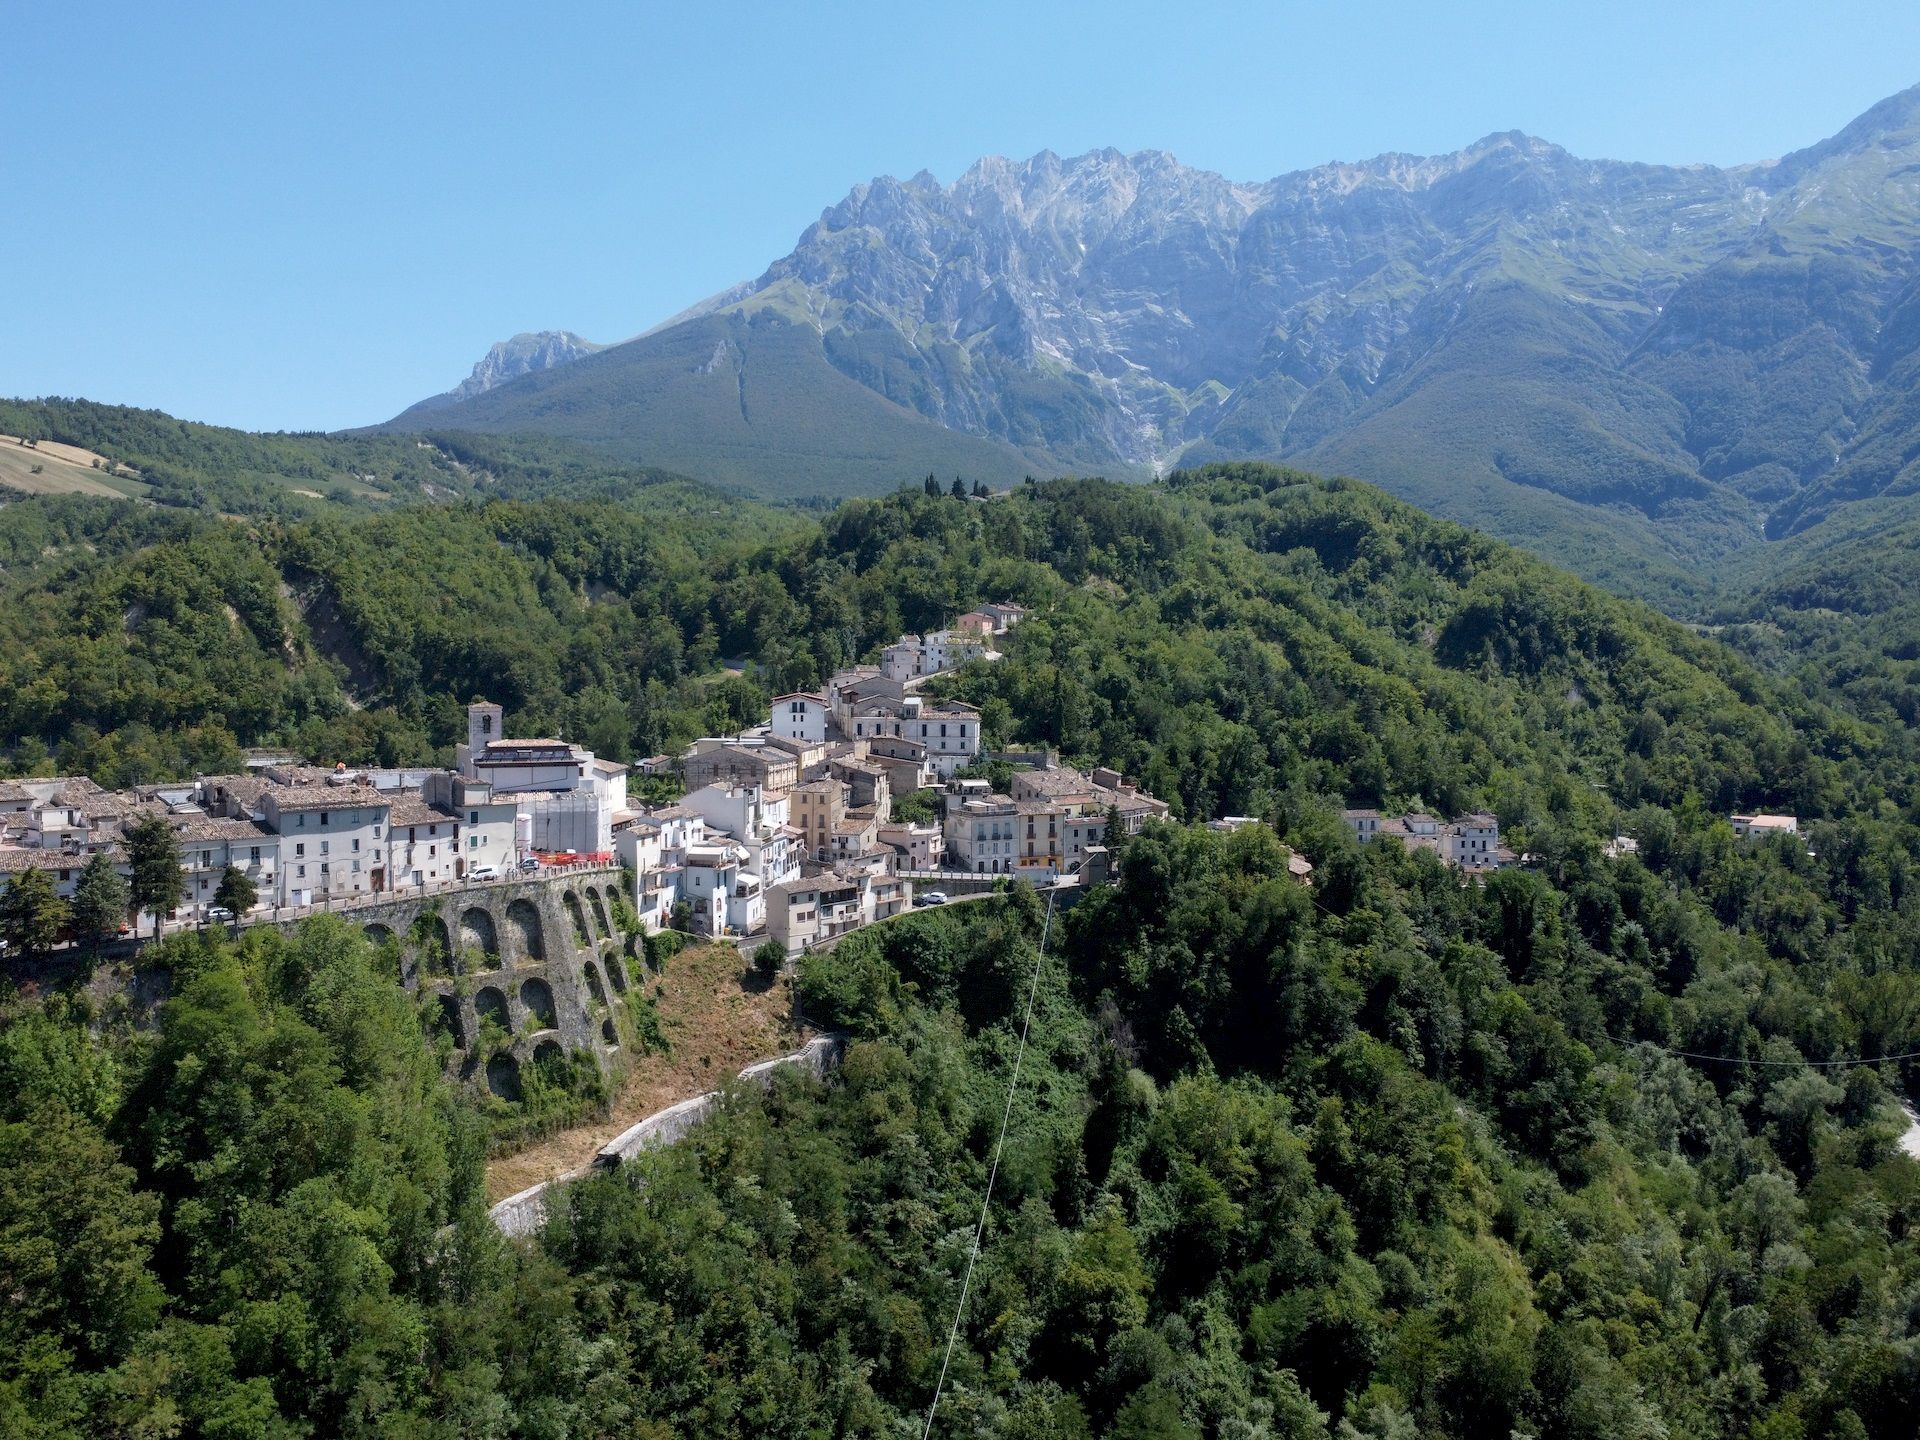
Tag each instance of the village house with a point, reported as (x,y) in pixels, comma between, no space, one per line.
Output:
(1471,842)
(1761,827)
(800,716)
(568,795)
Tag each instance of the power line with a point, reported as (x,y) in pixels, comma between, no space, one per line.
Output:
(1013,1084)
(1781,1064)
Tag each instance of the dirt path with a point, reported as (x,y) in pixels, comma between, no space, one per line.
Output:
(715,1025)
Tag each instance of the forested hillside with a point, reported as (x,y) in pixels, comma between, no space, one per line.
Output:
(186,465)
(1234,636)
(1396,1156)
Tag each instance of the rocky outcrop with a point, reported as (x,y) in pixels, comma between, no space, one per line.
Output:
(524,354)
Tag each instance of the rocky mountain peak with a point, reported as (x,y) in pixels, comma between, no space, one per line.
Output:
(523,355)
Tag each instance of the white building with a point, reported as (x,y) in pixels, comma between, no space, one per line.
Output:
(755,820)
(919,847)
(1759,827)
(569,796)
(982,835)
(949,731)
(1472,842)
(331,840)
(800,716)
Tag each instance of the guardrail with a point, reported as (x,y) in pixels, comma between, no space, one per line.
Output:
(400,895)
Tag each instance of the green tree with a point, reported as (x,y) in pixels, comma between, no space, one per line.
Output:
(236,892)
(959,491)
(932,486)
(100,900)
(154,852)
(769,960)
(31,913)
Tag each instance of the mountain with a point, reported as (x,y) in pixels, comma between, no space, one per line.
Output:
(527,353)
(1633,367)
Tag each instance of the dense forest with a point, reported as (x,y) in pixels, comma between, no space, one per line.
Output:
(1394,1156)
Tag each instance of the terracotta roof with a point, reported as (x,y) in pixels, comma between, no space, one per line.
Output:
(202,828)
(326,797)
(1053,782)
(411,809)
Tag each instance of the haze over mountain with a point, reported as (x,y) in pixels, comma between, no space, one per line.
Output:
(1632,367)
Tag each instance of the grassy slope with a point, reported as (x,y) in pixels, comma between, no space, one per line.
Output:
(752,403)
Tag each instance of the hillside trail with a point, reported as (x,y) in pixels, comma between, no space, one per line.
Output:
(717,1023)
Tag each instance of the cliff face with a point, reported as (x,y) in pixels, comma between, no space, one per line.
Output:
(1708,351)
(524,354)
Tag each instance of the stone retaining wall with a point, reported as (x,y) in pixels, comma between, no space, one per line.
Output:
(524,1213)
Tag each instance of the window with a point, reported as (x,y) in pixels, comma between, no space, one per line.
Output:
(473,817)
(356,867)
(356,846)
(323,817)
(300,820)
(302,870)
(254,857)
(325,845)
(376,832)
(300,849)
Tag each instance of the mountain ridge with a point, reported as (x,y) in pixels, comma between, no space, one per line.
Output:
(1689,353)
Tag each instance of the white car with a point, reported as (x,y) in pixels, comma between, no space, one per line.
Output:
(931,897)
(219,913)
(483,872)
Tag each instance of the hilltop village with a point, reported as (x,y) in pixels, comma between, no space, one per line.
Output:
(791,831)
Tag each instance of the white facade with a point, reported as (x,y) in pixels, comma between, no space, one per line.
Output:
(331,841)
(799,717)
(982,835)
(1758,827)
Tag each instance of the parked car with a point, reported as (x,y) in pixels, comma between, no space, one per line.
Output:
(529,863)
(219,913)
(931,897)
(483,872)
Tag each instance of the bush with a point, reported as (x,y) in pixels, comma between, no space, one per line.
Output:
(769,960)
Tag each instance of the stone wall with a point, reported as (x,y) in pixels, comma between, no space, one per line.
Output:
(537,957)
(525,1212)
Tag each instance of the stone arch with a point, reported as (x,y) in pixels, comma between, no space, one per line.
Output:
(594,987)
(476,931)
(548,1052)
(503,1076)
(578,916)
(608,1033)
(537,996)
(452,1022)
(490,1003)
(524,917)
(599,910)
(377,933)
(437,955)
(617,973)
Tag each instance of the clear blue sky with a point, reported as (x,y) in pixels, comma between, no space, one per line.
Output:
(255,218)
